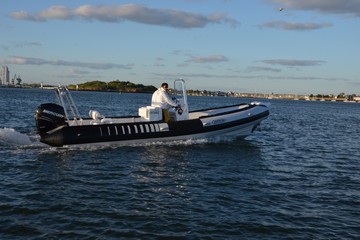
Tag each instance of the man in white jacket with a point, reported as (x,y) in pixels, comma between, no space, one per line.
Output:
(160,98)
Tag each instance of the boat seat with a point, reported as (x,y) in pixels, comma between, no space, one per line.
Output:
(98,118)
(102,121)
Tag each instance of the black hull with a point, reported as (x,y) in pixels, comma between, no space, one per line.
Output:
(107,133)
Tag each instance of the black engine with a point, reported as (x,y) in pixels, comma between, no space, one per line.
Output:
(49,116)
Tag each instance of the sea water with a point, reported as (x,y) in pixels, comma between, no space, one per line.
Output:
(296,177)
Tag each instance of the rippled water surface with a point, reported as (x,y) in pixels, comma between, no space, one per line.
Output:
(296,177)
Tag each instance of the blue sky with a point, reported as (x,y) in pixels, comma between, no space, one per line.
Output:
(311,46)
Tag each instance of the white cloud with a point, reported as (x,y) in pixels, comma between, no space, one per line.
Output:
(23,15)
(21,45)
(347,7)
(208,59)
(55,12)
(295,26)
(78,72)
(236,77)
(5,47)
(128,12)
(293,62)
(195,75)
(262,69)
(38,61)
(27,44)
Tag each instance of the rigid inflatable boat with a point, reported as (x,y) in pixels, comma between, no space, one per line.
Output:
(61,124)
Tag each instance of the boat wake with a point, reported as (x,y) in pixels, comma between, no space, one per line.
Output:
(187,142)
(9,137)
(198,141)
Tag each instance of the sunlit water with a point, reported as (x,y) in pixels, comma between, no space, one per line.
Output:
(296,177)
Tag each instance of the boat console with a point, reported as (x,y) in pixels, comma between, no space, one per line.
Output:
(154,113)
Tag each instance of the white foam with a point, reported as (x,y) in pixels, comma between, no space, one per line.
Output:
(9,136)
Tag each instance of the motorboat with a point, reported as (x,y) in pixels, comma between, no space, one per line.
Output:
(60,124)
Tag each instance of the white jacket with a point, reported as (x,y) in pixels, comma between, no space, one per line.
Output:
(160,98)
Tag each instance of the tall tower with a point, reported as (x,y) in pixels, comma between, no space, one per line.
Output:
(5,75)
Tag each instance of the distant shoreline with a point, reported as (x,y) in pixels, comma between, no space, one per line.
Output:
(293,97)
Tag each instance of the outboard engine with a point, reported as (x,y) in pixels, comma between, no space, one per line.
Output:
(49,116)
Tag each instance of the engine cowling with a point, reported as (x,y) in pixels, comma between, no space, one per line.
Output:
(49,116)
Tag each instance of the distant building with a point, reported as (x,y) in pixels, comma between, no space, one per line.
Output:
(5,75)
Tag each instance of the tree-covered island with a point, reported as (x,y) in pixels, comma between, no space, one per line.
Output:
(113,86)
